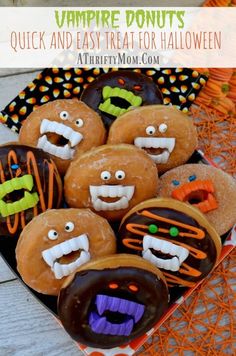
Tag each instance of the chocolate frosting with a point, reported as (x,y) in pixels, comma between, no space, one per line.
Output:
(76,301)
(45,175)
(205,245)
(147,90)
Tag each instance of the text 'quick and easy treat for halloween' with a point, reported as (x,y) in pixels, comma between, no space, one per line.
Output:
(111,301)
(114,93)
(29,185)
(57,242)
(110,180)
(165,133)
(207,188)
(63,128)
(174,236)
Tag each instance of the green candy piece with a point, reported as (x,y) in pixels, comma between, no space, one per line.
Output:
(174,231)
(152,228)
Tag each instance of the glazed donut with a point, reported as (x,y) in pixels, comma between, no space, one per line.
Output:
(110,180)
(29,185)
(174,236)
(55,243)
(114,93)
(64,128)
(208,188)
(165,133)
(111,301)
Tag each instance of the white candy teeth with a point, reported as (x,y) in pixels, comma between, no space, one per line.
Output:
(172,264)
(67,132)
(161,158)
(167,143)
(64,248)
(112,191)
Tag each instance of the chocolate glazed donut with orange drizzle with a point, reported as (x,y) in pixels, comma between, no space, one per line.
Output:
(29,184)
(174,236)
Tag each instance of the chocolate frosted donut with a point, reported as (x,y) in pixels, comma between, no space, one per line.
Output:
(172,235)
(111,301)
(29,185)
(114,93)
(64,128)
(209,189)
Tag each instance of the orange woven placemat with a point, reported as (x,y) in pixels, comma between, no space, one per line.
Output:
(206,323)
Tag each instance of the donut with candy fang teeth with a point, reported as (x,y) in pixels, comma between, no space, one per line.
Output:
(64,128)
(172,235)
(60,241)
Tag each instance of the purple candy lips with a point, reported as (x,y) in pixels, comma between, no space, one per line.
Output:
(115,308)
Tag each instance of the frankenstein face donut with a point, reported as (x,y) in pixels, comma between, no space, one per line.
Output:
(174,236)
(63,128)
(165,133)
(110,180)
(111,301)
(114,93)
(57,242)
(29,185)
(207,188)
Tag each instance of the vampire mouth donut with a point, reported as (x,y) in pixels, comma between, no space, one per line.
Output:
(114,93)
(174,236)
(111,301)
(29,185)
(63,128)
(209,189)
(166,134)
(110,180)
(58,242)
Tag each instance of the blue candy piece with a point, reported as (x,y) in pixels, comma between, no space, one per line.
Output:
(14,166)
(192,178)
(175,182)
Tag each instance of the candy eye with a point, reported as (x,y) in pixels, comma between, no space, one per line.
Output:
(174,231)
(105,175)
(113,286)
(79,122)
(152,228)
(150,130)
(52,234)
(69,226)
(163,128)
(192,178)
(175,182)
(120,175)
(64,115)
(133,288)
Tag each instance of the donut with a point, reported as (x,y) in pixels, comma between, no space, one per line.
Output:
(110,301)
(29,184)
(165,133)
(58,242)
(110,180)
(114,93)
(64,128)
(174,236)
(209,189)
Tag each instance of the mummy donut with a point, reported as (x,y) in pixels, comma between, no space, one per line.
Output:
(110,180)
(114,93)
(165,133)
(209,189)
(58,242)
(63,128)
(174,236)
(111,301)
(29,185)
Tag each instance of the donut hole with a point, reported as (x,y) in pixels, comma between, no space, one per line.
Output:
(14,196)
(120,102)
(56,139)
(71,257)
(109,199)
(155,151)
(162,255)
(196,197)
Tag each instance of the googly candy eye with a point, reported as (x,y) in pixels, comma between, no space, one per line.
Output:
(120,175)
(150,130)
(64,115)
(79,122)
(105,175)
(163,128)
(69,226)
(52,234)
